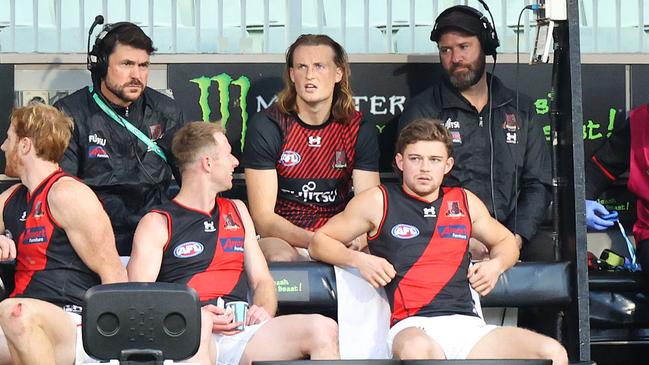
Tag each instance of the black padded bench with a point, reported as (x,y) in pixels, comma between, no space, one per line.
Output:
(310,287)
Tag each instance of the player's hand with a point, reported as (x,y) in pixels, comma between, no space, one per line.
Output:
(376,270)
(7,248)
(484,275)
(256,314)
(222,320)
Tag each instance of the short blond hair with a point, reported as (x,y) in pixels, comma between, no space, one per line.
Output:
(192,139)
(49,129)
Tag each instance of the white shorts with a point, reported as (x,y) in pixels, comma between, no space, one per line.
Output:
(457,334)
(80,355)
(229,349)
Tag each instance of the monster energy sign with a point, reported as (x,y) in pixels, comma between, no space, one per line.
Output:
(224,81)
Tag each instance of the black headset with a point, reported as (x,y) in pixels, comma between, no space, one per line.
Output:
(488,37)
(98,56)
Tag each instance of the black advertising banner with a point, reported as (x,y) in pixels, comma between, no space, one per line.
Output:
(233,93)
(6,103)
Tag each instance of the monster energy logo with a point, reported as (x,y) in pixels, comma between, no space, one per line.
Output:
(223,82)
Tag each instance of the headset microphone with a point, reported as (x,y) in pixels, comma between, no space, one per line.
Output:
(99,19)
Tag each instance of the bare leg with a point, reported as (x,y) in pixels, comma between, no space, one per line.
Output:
(38,332)
(518,343)
(413,343)
(206,354)
(294,337)
(278,250)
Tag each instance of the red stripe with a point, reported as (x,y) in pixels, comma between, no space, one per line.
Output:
(224,271)
(604,170)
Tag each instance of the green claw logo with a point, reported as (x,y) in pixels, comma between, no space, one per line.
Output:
(223,82)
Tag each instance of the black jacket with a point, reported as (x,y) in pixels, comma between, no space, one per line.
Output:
(521,175)
(611,159)
(127,178)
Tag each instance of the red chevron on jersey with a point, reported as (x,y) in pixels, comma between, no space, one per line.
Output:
(206,250)
(427,243)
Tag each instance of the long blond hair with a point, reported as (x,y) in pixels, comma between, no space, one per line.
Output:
(342,108)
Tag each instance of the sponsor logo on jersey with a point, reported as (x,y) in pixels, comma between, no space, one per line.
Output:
(451,124)
(314,141)
(456,136)
(457,231)
(209,226)
(96,139)
(290,158)
(188,249)
(97,152)
(34,235)
(309,194)
(404,231)
(38,211)
(232,244)
(23,217)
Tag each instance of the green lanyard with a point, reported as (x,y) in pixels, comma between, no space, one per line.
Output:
(126,124)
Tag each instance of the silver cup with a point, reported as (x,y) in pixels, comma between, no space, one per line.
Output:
(239,310)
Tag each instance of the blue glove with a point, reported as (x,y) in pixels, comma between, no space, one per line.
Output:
(598,217)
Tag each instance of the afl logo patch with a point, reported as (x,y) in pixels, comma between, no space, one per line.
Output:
(290,158)
(404,231)
(188,249)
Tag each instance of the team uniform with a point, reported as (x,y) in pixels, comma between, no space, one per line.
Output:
(47,266)
(128,178)
(314,164)
(205,250)
(427,243)
(521,176)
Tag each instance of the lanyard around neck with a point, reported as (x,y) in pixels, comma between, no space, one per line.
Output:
(126,124)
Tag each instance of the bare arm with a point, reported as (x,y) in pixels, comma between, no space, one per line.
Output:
(363,214)
(262,196)
(261,282)
(148,246)
(7,245)
(503,249)
(88,228)
(364,180)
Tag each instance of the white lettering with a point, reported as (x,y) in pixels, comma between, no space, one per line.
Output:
(262,104)
(357,101)
(397,101)
(377,102)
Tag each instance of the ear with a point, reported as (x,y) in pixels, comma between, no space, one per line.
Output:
(25,145)
(339,74)
(206,163)
(449,165)
(398,160)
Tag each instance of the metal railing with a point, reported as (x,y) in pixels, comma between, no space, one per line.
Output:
(269,26)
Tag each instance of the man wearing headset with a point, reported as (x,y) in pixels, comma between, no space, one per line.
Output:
(123,130)
(502,154)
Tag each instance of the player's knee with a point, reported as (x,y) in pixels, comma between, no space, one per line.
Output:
(552,349)
(416,346)
(323,332)
(288,255)
(16,317)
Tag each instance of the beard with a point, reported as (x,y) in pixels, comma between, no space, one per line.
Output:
(12,164)
(119,90)
(465,79)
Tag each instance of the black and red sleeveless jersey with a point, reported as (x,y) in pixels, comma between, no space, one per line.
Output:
(47,266)
(314,169)
(427,243)
(205,250)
